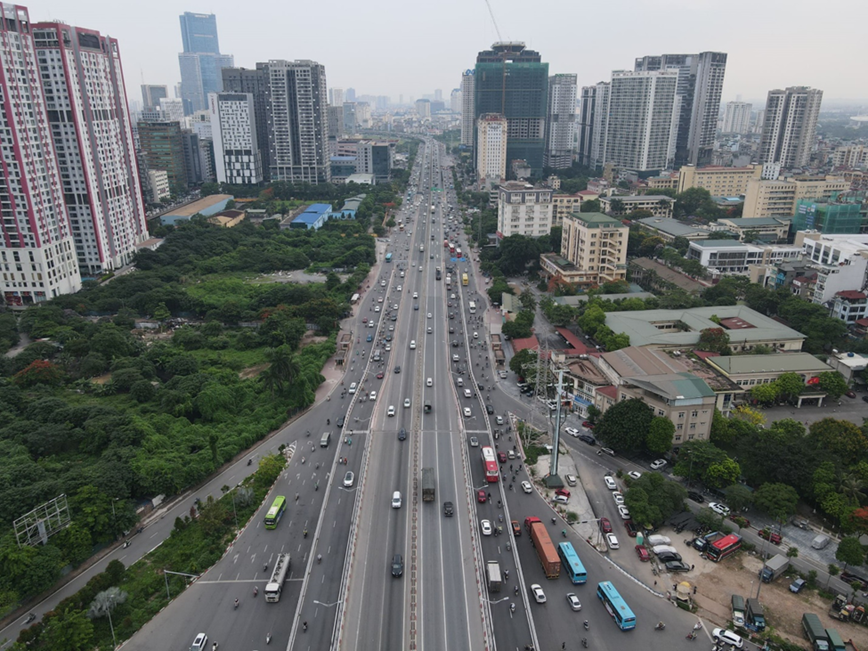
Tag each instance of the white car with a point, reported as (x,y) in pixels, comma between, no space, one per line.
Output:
(476,335)
(412,344)
(388,347)
(429,382)
(474,442)
(406,402)
(391,410)
(720,509)
(348,479)
(633,474)
(373,395)
(625,514)
(485,527)
(538,595)
(376,308)
(382,283)
(574,602)
(657,465)
(619,499)
(612,541)
(420,267)
(526,487)
(391,327)
(452,296)
(610,483)
(727,637)
(572,431)
(430,330)
(561,499)
(467,412)
(399,288)
(429,315)
(396,500)
(499,420)
(415,294)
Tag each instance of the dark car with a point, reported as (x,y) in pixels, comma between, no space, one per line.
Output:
(397,565)
(370,338)
(631,528)
(605,525)
(479,386)
(677,566)
(501,456)
(397,369)
(587,438)
(669,557)
(489,409)
(389,338)
(865,398)
(850,578)
(455,343)
(851,394)
(696,497)
(448,509)
(402,435)
(340,421)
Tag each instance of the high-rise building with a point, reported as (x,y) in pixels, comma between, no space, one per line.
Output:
(254,82)
(37,249)
(585,126)
(438,95)
(597,245)
(561,121)
(298,121)
(455,100)
(700,84)
(350,123)
(336,97)
(491,147)
(641,119)
(513,81)
(162,146)
(151,95)
(790,125)
(200,68)
(172,109)
(236,148)
(423,108)
(600,123)
(363,115)
(83,83)
(523,209)
(468,115)
(351,95)
(736,119)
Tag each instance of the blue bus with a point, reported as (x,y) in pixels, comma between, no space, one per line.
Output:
(617,607)
(388,257)
(571,563)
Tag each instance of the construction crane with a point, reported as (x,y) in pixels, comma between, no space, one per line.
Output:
(493,20)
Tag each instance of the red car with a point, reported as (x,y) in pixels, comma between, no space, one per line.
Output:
(379,376)
(501,456)
(631,528)
(772,536)
(588,424)
(643,554)
(605,525)
(365,320)
(516,529)
(563,491)
(480,497)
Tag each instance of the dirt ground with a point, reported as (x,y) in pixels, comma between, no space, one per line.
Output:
(716,583)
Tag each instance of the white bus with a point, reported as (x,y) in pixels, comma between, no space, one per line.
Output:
(278,576)
(471,306)
(354,299)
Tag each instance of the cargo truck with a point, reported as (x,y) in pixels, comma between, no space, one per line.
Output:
(815,632)
(548,555)
(754,615)
(737,609)
(278,576)
(774,567)
(495,581)
(428,484)
(836,643)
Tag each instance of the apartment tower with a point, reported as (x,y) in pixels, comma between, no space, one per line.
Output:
(561,121)
(491,148)
(255,83)
(38,250)
(468,116)
(236,148)
(736,119)
(200,61)
(790,126)
(585,126)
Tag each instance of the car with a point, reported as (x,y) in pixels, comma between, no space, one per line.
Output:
(618,497)
(476,335)
(658,464)
(634,474)
(489,409)
(610,483)
(864,398)
(676,566)
(608,451)
(612,541)
(396,500)
(412,344)
(526,487)
(574,602)
(625,514)
(340,421)
(501,456)
(376,308)
(722,635)
(382,283)
(348,479)
(485,527)
(365,320)
(631,528)
(379,300)
(399,288)
(391,410)
(563,491)
(391,327)
(696,497)
(587,438)
(388,337)
(451,330)
(669,557)
(373,395)
(572,431)
(516,528)
(772,536)
(720,509)
(588,424)
(397,565)
(850,394)
(605,525)
(397,369)
(474,442)
(499,420)
(643,554)
(402,435)
(511,455)
(370,338)
(448,509)
(430,330)
(481,497)
(538,594)
(561,499)
(571,479)
(429,315)
(406,402)
(797,585)
(429,382)
(415,294)
(415,307)
(200,642)
(467,412)
(380,375)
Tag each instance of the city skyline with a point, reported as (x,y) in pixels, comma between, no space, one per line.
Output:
(150,44)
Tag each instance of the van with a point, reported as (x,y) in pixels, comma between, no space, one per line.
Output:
(200,642)
(353,387)
(820,541)
(324,441)
(396,500)
(467,393)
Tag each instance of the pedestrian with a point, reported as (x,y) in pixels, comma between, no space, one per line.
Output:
(691,569)
(655,584)
(694,589)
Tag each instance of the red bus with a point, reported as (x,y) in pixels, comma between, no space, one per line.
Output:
(489,464)
(451,248)
(458,253)
(722,548)
(446,244)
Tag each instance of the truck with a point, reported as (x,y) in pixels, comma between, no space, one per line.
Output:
(324,440)
(815,632)
(737,609)
(278,576)
(836,643)
(428,484)
(548,555)
(774,567)
(755,618)
(495,581)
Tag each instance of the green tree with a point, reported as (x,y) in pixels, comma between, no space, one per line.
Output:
(850,551)
(660,433)
(69,630)
(625,425)
(852,488)
(104,603)
(841,437)
(790,385)
(778,501)
(522,362)
(592,205)
(738,496)
(722,473)
(714,340)
(652,499)
(833,384)
(162,314)
(283,370)
(765,394)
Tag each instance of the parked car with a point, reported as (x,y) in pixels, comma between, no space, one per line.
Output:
(727,637)
(587,438)
(797,585)
(571,479)
(643,553)
(658,464)
(608,451)
(631,528)
(634,474)
(677,566)
(772,536)
(720,509)
(612,541)
(588,424)
(605,525)
(669,557)
(696,497)
(625,514)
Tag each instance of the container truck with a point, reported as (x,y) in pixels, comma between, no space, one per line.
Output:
(774,567)
(815,632)
(548,555)
(428,484)
(495,581)
(278,576)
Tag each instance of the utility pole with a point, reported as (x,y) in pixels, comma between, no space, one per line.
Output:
(553,471)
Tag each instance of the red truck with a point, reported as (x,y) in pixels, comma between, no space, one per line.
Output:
(545,549)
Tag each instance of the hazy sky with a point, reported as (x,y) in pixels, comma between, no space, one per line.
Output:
(392,47)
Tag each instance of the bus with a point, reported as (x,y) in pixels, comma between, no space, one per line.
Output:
(458,253)
(445,244)
(275,512)
(401,226)
(354,299)
(720,549)
(471,307)
(489,464)
(388,257)
(451,248)
(465,280)
(617,607)
(570,561)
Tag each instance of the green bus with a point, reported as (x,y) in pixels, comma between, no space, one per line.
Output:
(275,512)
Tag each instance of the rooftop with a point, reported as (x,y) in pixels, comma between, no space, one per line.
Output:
(200,206)
(669,275)
(596,219)
(851,295)
(675,386)
(747,222)
(716,244)
(641,197)
(669,226)
(773,363)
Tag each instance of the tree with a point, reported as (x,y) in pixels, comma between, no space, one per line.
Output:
(714,340)
(283,371)
(738,496)
(790,385)
(69,630)
(749,415)
(850,551)
(592,205)
(776,500)
(722,473)
(104,603)
(162,314)
(832,383)
(696,457)
(616,206)
(765,394)
(522,362)
(625,424)
(39,372)
(516,329)
(841,437)
(852,488)
(660,433)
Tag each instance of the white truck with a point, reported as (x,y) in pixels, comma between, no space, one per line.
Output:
(278,576)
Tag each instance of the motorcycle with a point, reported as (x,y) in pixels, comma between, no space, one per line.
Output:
(512,608)
(660,626)
(585,642)
(249,461)
(587,625)
(268,638)
(236,605)
(255,591)
(30,618)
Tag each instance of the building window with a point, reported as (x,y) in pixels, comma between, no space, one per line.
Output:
(681,414)
(694,414)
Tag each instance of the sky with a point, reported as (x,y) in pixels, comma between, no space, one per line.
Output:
(394,47)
